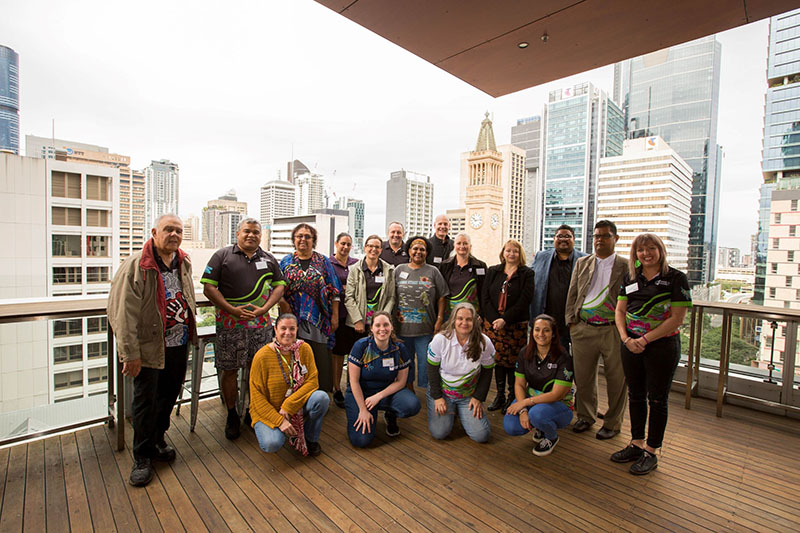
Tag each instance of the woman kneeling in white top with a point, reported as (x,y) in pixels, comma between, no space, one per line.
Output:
(460,362)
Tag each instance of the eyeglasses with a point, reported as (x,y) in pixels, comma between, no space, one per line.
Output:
(303,236)
(373,246)
(602,236)
(564,237)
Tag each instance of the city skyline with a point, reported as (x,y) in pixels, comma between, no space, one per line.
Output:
(220,147)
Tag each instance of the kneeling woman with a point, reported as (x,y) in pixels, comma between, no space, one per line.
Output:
(542,388)
(285,400)
(378,368)
(460,362)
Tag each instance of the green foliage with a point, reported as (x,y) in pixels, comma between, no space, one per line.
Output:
(205,317)
(742,352)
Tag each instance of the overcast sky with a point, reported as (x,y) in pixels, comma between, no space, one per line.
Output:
(230,91)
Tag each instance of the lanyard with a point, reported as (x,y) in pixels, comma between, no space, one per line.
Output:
(289,381)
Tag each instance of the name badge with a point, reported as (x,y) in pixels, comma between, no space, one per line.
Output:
(379,279)
(437,259)
(480,271)
(403,275)
(388,362)
(633,287)
(261,265)
(303,369)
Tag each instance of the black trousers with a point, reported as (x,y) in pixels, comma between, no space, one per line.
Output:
(154,395)
(649,375)
(503,375)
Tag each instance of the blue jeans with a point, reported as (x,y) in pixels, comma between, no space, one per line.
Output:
(402,404)
(271,439)
(440,426)
(546,417)
(418,346)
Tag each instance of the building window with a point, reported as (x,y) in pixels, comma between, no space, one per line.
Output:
(96,274)
(772,292)
(794,205)
(68,354)
(95,350)
(65,185)
(792,231)
(66,216)
(66,275)
(66,245)
(774,268)
(790,256)
(777,218)
(98,375)
(97,188)
(787,304)
(66,380)
(788,281)
(67,328)
(97,218)
(96,324)
(97,246)
(776,244)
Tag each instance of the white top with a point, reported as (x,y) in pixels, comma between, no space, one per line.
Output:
(598,288)
(459,373)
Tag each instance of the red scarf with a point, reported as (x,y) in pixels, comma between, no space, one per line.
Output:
(295,382)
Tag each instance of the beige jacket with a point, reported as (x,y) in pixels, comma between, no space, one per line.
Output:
(137,307)
(582,278)
(355,294)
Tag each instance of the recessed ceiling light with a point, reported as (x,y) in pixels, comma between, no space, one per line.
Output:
(523,44)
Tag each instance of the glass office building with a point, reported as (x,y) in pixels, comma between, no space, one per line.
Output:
(9,100)
(674,93)
(581,125)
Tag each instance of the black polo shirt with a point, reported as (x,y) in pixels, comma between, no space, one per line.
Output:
(438,251)
(400,257)
(650,302)
(557,287)
(243,280)
(375,281)
(540,376)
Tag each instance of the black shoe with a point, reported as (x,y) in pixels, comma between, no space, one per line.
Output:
(164,452)
(581,426)
(538,436)
(508,403)
(232,426)
(627,454)
(498,403)
(646,464)
(392,429)
(314,449)
(338,399)
(606,433)
(544,447)
(142,472)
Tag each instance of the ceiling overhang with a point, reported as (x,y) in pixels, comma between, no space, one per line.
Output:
(478,40)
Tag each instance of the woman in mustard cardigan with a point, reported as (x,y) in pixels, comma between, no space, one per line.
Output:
(285,400)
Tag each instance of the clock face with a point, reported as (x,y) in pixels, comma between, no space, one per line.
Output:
(495,221)
(476,220)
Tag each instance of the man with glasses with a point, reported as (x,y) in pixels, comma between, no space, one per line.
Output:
(552,270)
(591,303)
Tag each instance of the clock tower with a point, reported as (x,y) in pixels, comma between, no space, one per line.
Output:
(483,200)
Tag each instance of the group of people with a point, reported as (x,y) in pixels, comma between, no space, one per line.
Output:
(413,311)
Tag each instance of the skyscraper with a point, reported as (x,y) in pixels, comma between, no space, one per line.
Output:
(277,200)
(161,196)
(581,125)
(221,217)
(409,200)
(310,193)
(9,99)
(527,134)
(355,220)
(674,93)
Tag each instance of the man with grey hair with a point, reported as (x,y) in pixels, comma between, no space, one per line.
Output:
(440,245)
(151,310)
(244,282)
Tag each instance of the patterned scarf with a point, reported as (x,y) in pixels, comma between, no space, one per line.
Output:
(294,383)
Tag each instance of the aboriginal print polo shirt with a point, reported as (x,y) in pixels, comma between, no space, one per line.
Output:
(650,302)
(541,375)
(243,281)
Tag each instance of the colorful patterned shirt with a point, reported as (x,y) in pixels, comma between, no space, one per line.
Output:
(650,302)
(459,373)
(379,368)
(418,293)
(177,330)
(598,308)
(542,374)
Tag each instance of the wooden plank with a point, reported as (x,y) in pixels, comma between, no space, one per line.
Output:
(99,506)
(34,518)
(115,481)
(14,494)
(80,518)
(55,489)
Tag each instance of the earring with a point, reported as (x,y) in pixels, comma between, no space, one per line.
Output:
(637,263)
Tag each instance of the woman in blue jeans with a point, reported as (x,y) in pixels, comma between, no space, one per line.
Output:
(542,388)
(378,368)
(460,362)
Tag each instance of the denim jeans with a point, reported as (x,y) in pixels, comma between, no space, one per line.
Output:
(440,426)
(401,404)
(546,417)
(271,439)
(418,346)
(649,376)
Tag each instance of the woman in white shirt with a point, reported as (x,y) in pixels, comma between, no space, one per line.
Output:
(460,362)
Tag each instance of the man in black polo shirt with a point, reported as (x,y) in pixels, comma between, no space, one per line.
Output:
(439,244)
(393,251)
(243,282)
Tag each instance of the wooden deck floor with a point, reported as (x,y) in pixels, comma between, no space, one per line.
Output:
(738,473)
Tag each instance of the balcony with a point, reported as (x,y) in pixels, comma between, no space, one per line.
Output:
(738,471)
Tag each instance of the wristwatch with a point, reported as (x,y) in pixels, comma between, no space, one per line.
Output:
(523,410)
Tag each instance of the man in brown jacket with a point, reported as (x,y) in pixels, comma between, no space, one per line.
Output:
(151,310)
(591,303)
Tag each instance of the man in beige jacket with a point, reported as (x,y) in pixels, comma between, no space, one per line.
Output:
(151,310)
(591,303)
